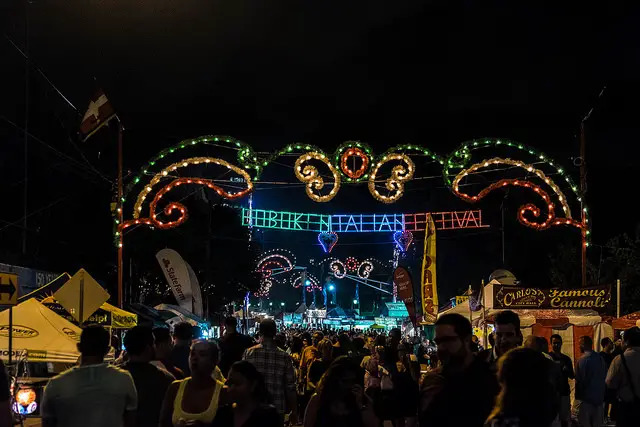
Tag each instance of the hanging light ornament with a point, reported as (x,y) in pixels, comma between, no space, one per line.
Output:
(344,162)
(403,239)
(351,264)
(395,183)
(309,175)
(327,239)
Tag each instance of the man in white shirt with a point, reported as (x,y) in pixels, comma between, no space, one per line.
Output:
(93,394)
(624,378)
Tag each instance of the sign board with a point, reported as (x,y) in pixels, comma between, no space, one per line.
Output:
(28,279)
(461,299)
(8,289)
(81,296)
(514,297)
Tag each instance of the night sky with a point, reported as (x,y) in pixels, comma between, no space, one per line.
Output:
(272,73)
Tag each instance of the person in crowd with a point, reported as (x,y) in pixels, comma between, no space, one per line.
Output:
(566,369)
(232,344)
(163,346)
(340,400)
(194,400)
(450,393)
(607,350)
(295,350)
(590,385)
(526,397)
(624,378)
(371,365)
(359,350)
(507,336)
(92,394)
(249,400)
(308,355)
(318,367)
(151,383)
(182,337)
(6,417)
(405,376)
(276,367)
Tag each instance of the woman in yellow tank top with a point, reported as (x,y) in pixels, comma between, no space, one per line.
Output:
(194,400)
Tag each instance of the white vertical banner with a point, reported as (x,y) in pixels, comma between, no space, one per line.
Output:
(197,292)
(177,274)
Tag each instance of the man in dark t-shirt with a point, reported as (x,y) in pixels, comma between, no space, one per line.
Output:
(151,383)
(566,368)
(182,337)
(455,384)
(232,345)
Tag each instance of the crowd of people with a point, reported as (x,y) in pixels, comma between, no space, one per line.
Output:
(325,378)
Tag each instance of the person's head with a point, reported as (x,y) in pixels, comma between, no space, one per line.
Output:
(182,333)
(203,358)
(268,329)
(162,342)
(246,383)
(338,382)
(395,335)
(139,343)
(492,339)
(586,344)
(306,339)
(280,340)
(230,324)
(325,348)
(317,337)
(556,343)
(403,351)
(358,344)
(542,344)
(631,337)
(453,338)
(606,344)
(380,340)
(296,344)
(527,390)
(508,334)
(94,343)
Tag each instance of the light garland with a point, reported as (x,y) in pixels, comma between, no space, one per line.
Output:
(395,183)
(275,258)
(460,157)
(188,162)
(351,264)
(310,175)
(296,282)
(532,209)
(529,168)
(344,159)
(365,268)
(327,239)
(336,267)
(403,239)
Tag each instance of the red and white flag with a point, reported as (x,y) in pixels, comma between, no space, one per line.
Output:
(98,114)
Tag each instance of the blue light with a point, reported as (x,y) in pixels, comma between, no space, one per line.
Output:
(307,283)
(331,287)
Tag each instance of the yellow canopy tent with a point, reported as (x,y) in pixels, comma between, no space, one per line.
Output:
(107,315)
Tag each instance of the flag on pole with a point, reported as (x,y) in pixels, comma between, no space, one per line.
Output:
(429,290)
(98,114)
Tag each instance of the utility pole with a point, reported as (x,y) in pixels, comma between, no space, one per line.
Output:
(26,130)
(583,191)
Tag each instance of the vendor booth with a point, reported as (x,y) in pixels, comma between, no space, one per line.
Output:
(544,312)
(107,315)
(39,335)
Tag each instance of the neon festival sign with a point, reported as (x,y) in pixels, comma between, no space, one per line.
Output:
(361,223)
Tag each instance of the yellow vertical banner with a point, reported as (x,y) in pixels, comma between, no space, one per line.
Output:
(429,290)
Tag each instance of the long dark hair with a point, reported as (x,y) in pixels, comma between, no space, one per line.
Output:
(329,390)
(528,392)
(247,370)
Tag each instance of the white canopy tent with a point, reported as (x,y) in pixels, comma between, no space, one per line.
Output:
(39,334)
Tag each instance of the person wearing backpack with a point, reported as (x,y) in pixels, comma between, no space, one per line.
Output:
(624,378)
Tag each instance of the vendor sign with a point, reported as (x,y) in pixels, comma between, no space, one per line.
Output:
(514,297)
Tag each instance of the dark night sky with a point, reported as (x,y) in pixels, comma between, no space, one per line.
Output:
(270,73)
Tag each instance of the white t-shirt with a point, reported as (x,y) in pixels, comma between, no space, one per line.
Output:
(92,395)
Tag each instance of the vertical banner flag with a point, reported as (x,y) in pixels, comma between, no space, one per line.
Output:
(177,274)
(197,292)
(429,290)
(404,284)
